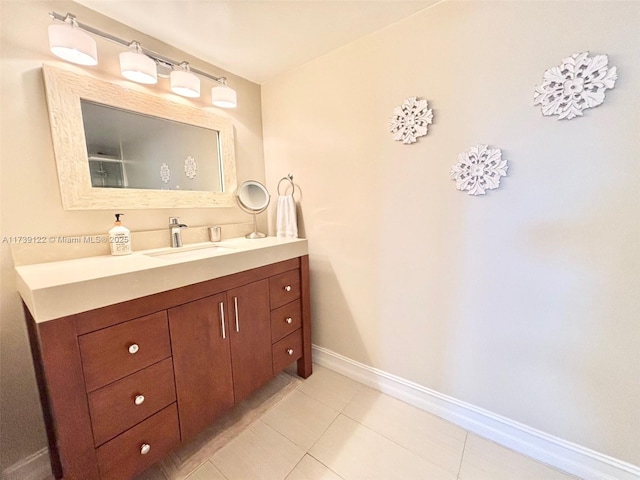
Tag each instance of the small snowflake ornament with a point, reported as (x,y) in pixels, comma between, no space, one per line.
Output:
(410,120)
(190,167)
(479,169)
(165,173)
(575,85)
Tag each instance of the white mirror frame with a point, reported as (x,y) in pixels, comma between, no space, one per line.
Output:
(64,90)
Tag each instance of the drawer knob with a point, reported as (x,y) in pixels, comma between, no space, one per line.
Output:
(287,288)
(139,399)
(288,320)
(145,448)
(290,351)
(133,348)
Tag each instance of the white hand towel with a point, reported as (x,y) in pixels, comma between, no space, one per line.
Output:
(286,222)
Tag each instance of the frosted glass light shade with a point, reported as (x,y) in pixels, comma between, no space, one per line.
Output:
(137,67)
(72,44)
(185,83)
(224,96)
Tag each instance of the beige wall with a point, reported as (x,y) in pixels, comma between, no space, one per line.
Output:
(29,194)
(523,302)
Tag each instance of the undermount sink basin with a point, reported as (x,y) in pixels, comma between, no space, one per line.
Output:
(199,251)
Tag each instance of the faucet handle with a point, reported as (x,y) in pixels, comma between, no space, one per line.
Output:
(174,221)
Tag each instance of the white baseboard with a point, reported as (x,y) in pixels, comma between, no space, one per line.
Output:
(569,457)
(561,454)
(34,467)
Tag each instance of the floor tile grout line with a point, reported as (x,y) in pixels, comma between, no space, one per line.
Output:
(361,386)
(318,400)
(326,466)
(218,470)
(464,447)
(308,452)
(397,444)
(337,413)
(308,394)
(322,434)
(305,452)
(271,428)
(251,425)
(212,466)
(282,435)
(353,397)
(343,412)
(295,466)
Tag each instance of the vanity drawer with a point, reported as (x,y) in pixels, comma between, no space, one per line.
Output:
(285,320)
(284,288)
(118,351)
(287,350)
(128,401)
(123,456)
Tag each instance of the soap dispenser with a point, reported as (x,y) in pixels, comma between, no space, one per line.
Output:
(119,238)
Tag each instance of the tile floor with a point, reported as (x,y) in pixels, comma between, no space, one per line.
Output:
(333,428)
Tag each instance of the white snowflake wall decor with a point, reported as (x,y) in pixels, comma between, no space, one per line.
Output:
(190,167)
(410,120)
(575,85)
(479,169)
(165,173)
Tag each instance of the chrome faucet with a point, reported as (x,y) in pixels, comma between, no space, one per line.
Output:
(176,231)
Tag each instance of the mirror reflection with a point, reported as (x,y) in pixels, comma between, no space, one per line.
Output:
(126,149)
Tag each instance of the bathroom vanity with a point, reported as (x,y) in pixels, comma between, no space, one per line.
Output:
(135,355)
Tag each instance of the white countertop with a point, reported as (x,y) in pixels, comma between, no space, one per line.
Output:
(57,289)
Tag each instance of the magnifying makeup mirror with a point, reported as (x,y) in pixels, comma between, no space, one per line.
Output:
(253,197)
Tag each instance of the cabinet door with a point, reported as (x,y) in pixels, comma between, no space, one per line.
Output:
(250,325)
(202,362)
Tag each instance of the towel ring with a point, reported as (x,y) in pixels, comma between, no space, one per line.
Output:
(289,178)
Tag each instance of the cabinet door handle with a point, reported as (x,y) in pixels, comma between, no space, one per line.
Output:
(139,400)
(287,288)
(133,348)
(289,320)
(224,333)
(290,351)
(145,448)
(235,303)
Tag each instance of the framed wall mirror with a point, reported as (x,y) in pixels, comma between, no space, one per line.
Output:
(117,147)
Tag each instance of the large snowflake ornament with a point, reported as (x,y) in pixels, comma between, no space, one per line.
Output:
(575,85)
(410,120)
(479,169)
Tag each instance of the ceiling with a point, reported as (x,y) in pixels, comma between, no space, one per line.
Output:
(257,39)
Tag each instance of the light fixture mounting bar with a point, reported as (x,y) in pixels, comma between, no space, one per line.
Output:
(158,58)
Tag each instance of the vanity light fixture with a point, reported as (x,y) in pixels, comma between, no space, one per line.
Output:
(137,67)
(224,96)
(70,41)
(183,82)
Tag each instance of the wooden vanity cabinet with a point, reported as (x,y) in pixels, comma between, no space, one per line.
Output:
(250,337)
(287,334)
(201,361)
(123,385)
